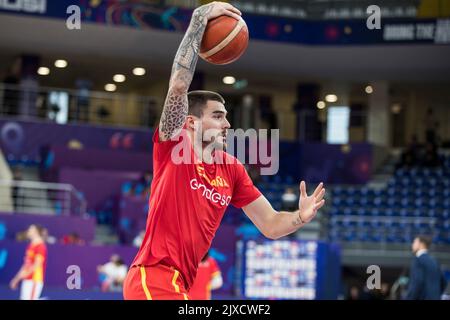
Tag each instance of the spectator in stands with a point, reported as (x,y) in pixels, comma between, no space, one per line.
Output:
(47,237)
(289,199)
(32,272)
(354,293)
(385,291)
(410,157)
(142,185)
(399,288)
(382,293)
(72,238)
(426,281)
(112,274)
(139,187)
(208,278)
(15,192)
(431,157)
(253,172)
(84,87)
(430,127)
(138,239)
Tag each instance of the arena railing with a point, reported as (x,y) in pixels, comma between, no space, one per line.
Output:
(63,105)
(41,198)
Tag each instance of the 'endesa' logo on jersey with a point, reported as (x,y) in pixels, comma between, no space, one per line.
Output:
(210,194)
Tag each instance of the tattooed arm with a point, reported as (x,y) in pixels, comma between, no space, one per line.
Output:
(273,224)
(175,108)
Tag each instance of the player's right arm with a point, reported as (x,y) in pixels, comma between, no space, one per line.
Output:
(26,270)
(175,108)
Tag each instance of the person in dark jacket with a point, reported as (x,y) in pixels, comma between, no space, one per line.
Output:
(426,282)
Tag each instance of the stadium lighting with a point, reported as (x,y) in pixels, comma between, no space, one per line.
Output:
(138,71)
(110,87)
(229,80)
(369,89)
(320,105)
(119,78)
(43,71)
(60,63)
(331,98)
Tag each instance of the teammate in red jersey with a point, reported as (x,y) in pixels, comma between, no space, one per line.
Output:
(188,198)
(32,271)
(208,278)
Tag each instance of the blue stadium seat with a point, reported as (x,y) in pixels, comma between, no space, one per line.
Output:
(334,211)
(432,203)
(388,223)
(126,187)
(363,201)
(350,201)
(446,192)
(378,192)
(446,204)
(271,196)
(392,238)
(377,201)
(376,237)
(375,223)
(374,212)
(289,180)
(276,179)
(432,213)
(405,203)
(363,237)
(336,201)
(364,191)
(361,212)
(389,212)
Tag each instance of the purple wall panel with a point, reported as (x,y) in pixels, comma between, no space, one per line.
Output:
(19,139)
(60,256)
(115,160)
(97,185)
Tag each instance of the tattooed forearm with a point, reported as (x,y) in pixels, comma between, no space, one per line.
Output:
(298,220)
(187,54)
(174,114)
(176,105)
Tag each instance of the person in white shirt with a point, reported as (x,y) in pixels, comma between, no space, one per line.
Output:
(113,274)
(289,199)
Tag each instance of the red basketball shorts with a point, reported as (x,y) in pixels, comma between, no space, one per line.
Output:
(157,282)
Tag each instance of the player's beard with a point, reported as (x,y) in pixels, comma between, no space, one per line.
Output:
(216,142)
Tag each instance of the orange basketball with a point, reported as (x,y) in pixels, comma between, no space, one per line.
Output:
(225,40)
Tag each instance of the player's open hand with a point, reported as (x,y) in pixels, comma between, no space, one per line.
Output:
(215,9)
(309,205)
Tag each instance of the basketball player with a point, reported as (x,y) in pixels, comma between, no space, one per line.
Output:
(188,200)
(208,278)
(33,269)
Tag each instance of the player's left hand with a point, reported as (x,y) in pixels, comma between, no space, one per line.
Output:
(309,205)
(13,284)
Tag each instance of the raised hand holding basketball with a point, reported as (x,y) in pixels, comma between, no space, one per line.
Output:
(215,9)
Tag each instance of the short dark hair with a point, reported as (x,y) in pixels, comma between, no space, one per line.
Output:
(197,101)
(426,240)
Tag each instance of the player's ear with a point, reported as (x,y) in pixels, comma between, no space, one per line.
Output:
(190,122)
